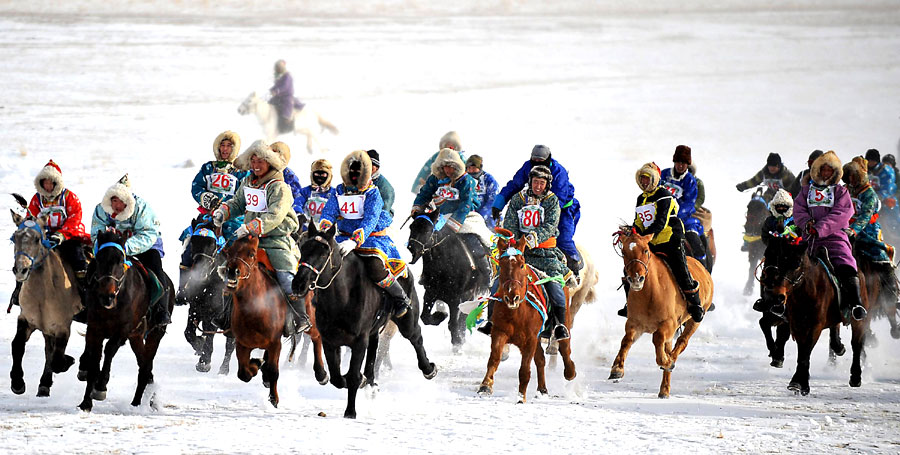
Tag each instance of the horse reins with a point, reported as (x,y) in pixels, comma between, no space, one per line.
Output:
(35,263)
(328,262)
(434,244)
(125,263)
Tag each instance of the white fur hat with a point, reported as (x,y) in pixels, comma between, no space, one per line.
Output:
(782,197)
(121,190)
(277,157)
(52,172)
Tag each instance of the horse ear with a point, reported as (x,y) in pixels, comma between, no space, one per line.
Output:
(17,219)
(647,238)
(312,228)
(329,233)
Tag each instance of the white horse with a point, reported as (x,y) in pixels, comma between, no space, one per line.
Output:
(307,121)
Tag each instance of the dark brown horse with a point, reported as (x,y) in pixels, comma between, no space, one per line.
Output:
(117,310)
(757,212)
(516,321)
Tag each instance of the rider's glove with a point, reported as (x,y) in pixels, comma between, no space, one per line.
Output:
(56,238)
(530,240)
(495,214)
(241,231)
(346,246)
(208,200)
(218,217)
(890,202)
(740,187)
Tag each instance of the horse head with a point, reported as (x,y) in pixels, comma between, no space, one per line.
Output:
(248,106)
(757,212)
(513,271)
(422,235)
(780,275)
(318,252)
(205,244)
(240,259)
(30,244)
(636,254)
(111,267)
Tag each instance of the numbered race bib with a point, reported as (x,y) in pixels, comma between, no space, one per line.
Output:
(314,206)
(647,214)
(351,206)
(56,216)
(256,200)
(222,183)
(530,218)
(773,184)
(820,197)
(446,193)
(480,187)
(676,190)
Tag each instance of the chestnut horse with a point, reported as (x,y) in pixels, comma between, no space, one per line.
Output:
(656,304)
(517,321)
(119,301)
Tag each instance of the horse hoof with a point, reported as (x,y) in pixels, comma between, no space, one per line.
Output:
(855,381)
(895,333)
(543,392)
(504,356)
(777,363)
(223,370)
(363,382)
(274,402)
(324,380)
(98,395)
(63,365)
(349,415)
(82,375)
(203,367)
(85,406)
(552,349)
(664,395)
(669,369)
(18,387)
(432,373)
(43,391)
(839,350)
(615,374)
(266,384)
(485,390)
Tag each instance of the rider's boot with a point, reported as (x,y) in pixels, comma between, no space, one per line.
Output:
(624,311)
(760,305)
(851,306)
(486,327)
(14,298)
(560,332)
(297,321)
(399,301)
(693,303)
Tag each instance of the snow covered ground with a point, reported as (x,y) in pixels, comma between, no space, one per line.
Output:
(144,87)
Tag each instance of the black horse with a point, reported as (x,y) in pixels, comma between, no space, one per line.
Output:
(118,309)
(455,270)
(209,309)
(350,311)
(757,212)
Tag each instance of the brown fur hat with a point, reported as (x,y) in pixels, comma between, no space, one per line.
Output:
(365,174)
(450,141)
(277,155)
(831,159)
(651,170)
(234,138)
(321,165)
(448,157)
(682,154)
(859,168)
(52,172)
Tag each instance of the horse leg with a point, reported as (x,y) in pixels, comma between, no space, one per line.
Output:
(270,369)
(457,328)
(371,354)
(834,341)
(409,328)
(304,349)
(61,362)
(16,374)
(748,288)
(47,376)
(782,333)
(857,344)
(765,324)
(661,340)
(539,363)
(149,347)
(800,381)
(109,351)
(246,369)
(618,366)
(525,367)
(318,363)
(565,350)
(354,375)
(498,341)
(206,349)
(891,312)
(90,364)
(229,350)
(190,334)
(333,359)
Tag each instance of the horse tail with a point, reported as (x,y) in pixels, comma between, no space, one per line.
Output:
(20,200)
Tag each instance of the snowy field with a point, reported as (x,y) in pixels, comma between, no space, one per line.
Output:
(144,88)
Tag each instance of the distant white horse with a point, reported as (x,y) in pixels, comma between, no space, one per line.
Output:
(307,121)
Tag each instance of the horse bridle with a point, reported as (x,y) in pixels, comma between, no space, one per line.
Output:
(35,263)
(125,263)
(328,262)
(645,264)
(434,243)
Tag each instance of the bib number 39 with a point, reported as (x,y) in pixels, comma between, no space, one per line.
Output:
(256,200)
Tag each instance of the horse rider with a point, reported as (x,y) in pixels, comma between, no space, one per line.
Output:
(215,182)
(356,208)
(314,196)
(865,230)
(486,188)
(656,214)
(772,176)
(448,141)
(282,97)
(122,210)
(803,179)
(380,181)
(561,186)
(533,214)
(783,243)
(823,211)
(683,186)
(883,181)
(63,228)
(265,201)
(452,192)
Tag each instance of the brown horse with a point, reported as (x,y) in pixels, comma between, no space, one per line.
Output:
(118,310)
(880,297)
(516,322)
(656,304)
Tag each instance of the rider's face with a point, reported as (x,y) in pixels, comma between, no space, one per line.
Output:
(538,186)
(645,181)
(826,172)
(117,204)
(680,167)
(48,185)
(472,170)
(259,166)
(448,170)
(225,148)
(772,169)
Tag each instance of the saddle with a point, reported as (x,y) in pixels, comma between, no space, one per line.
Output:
(262,258)
(821,254)
(153,282)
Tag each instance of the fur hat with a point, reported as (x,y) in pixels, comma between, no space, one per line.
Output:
(859,167)
(52,172)
(889,159)
(318,166)
(121,190)
(280,68)
(773,159)
(450,141)
(448,157)
(375,157)
(833,162)
(365,171)
(651,170)
(682,154)
(235,140)
(540,153)
(782,197)
(692,168)
(277,155)
(475,160)
(541,172)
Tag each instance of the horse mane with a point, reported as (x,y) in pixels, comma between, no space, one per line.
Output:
(110,236)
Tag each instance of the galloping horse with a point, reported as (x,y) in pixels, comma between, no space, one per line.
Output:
(307,121)
(48,301)
(518,318)
(118,311)
(350,311)
(656,305)
(584,292)
(880,298)
(204,292)
(450,272)
(757,212)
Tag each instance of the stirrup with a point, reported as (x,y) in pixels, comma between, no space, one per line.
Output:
(858,313)
(623,311)
(560,332)
(486,328)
